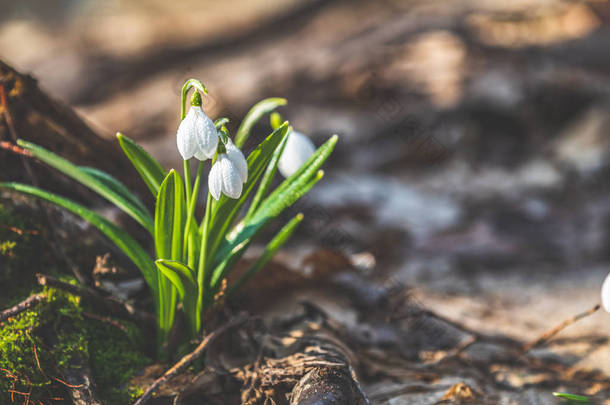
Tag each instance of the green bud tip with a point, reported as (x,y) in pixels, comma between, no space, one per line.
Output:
(196,99)
(299,216)
(221,148)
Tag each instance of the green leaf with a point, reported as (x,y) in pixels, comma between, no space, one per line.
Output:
(284,196)
(254,115)
(293,187)
(115,185)
(275,120)
(239,240)
(120,238)
(226,209)
(265,184)
(170,220)
(151,171)
(314,162)
(181,275)
(270,250)
(572,397)
(183,279)
(170,217)
(92,182)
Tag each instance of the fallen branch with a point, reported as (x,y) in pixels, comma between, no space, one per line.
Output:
(188,359)
(26,304)
(111,304)
(546,336)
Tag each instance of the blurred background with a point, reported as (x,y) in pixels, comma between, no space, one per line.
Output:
(474,155)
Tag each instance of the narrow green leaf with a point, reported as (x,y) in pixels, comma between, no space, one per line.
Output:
(265,183)
(120,238)
(115,185)
(181,275)
(293,187)
(254,115)
(275,119)
(270,250)
(92,182)
(572,397)
(151,171)
(284,196)
(183,278)
(314,162)
(226,209)
(239,239)
(170,217)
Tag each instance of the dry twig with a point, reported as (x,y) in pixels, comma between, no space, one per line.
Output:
(188,359)
(26,304)
(546,336)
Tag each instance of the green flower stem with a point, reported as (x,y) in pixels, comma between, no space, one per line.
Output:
(190,83)
(192,203)
(187,181)
(201,271)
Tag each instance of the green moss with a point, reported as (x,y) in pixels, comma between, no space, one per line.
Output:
(28,363)
(115,357)
(59,336)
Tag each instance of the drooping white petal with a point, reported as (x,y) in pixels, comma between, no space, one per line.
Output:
(238,159)
(186,137)
(215,181)
(225,178)
(296,152)
(231,178)
(207,135)
(606,294)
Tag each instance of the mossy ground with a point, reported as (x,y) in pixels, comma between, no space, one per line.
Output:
(38,346)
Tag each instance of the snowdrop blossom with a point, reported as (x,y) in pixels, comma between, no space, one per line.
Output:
(606,294)
(197,135)
(229,173)
(296,152)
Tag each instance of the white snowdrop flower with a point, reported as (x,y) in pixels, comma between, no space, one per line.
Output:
(229,173)
(296,152)
(197,135)
(606,294)
(238,159)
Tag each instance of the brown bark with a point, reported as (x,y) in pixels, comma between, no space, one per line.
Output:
(28,113)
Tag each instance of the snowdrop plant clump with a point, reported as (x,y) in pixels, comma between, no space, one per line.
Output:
(192,256)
